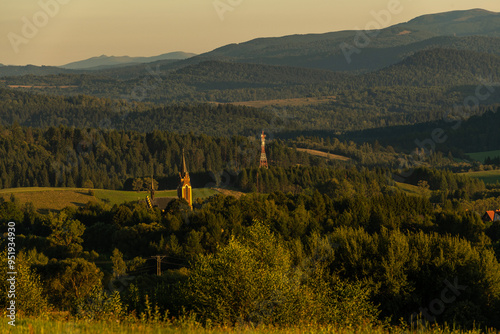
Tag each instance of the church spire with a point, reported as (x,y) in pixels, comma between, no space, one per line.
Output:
(184,168)
(184,190)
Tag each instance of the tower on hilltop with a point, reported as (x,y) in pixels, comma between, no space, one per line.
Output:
(263,158)
(184,190)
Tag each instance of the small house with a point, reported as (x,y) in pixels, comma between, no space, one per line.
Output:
(491,216)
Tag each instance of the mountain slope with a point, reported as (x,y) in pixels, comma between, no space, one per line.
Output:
(474,30)
(439,67)
(103,61)
(9,71)
(229,73)
(475,134)
(370,59)
(459,70)
(324,50)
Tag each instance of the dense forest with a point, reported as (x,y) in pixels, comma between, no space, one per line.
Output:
(333,238)
(69,157)
(112,159)
(349,111)
(466,130)
(219,81)
(347,248)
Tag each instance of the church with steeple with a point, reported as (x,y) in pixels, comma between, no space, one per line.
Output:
(184,189)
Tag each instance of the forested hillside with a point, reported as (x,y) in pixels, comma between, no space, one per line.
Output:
(420,89)
(463,134)
(371,215)
(231,82)
(348,248)
(68,157)
(438,67)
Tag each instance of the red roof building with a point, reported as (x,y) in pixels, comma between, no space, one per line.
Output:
(491,216)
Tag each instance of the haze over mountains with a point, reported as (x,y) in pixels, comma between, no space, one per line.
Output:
(104,62)
(475,30)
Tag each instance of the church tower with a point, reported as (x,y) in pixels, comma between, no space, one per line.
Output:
(184,190)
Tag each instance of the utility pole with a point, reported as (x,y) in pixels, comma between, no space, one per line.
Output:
(158,263)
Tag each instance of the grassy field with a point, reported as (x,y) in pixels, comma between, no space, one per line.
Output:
(481,156)
(190,327)
(408,188)
(117,197)
(489,176)
(45,199)
(324,154)
(230,192)
(297,102)
(411,189)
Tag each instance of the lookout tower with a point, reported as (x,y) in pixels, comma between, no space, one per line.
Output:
(263,158)
(184,190)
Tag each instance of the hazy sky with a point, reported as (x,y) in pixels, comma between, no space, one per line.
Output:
(71,30)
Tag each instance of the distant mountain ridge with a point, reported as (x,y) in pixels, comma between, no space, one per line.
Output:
(11,70)
(324,50)
(474,30)
(460,23)
(104,62)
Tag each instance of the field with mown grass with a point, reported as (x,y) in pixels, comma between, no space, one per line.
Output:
(293,102)
(488,176)
(411,189)
(46,199)
(323,154)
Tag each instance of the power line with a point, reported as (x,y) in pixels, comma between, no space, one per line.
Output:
(158,263)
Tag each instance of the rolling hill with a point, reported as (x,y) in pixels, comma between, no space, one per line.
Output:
(10,71)
(55,199)
(460,133)
(324,50)
(458,23)
(105,62)
(475,30)
(439,67)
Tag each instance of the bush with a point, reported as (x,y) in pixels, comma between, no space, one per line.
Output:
(100,306)
(29,296)
(252,280)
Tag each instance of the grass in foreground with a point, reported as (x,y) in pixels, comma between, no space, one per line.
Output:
(189,326)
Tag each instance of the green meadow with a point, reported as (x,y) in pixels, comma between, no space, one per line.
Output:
(481,156)
(58,198)
(488,176)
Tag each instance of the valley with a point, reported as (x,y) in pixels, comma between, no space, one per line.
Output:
(269,185)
